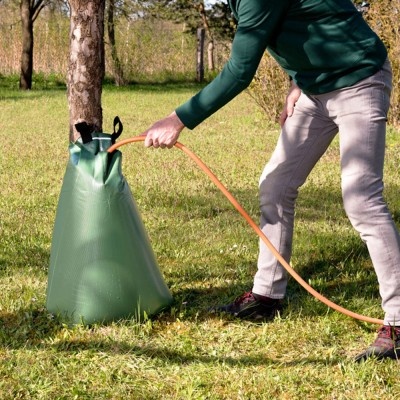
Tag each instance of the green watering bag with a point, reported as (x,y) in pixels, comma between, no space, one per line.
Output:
(102,267)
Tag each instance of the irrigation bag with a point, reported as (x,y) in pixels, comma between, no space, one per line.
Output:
(102,267)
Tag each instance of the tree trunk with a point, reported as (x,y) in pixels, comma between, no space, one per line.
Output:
(210,49)
(116,63)
(200,55)
(86,64)
(25,80)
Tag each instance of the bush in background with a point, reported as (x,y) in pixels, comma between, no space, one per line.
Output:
(383,16)
(269,87)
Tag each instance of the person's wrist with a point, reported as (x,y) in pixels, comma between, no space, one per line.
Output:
(179,123)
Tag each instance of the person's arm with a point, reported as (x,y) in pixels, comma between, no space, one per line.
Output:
(257,22)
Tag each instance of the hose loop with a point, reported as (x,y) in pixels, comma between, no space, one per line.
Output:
(258,231)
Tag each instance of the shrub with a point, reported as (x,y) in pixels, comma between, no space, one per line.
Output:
(383,16)
(269,87)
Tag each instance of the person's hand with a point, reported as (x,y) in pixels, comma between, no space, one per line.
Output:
(164,133)
(291,100)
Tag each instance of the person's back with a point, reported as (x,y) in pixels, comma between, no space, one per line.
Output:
(325,45)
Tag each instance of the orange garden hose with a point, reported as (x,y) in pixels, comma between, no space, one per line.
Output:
(259,232)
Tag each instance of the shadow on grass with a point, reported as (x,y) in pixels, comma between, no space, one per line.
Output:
(181,357)
(22,255)
(194,305)
(27,96)
(9,87)
(32,329)
(35,329)
(167,86)
(27,327)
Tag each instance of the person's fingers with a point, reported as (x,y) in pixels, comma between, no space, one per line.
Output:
(284,115)
(164,133)
(282,118)
(290,107)
(148,142)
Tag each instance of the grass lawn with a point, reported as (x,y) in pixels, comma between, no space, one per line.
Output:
(207,255)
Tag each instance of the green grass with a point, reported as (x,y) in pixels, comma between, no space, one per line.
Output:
(206,253)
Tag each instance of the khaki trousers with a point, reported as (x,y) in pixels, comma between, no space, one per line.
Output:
(358,114)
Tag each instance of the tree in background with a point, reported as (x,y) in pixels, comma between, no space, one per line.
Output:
(218,15)
(86,64)
(216,19)
(29,11)
(117,69)
(128,9)
(221,20)
(206,27)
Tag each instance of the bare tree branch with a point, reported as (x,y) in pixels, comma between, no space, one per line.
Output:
(37,6)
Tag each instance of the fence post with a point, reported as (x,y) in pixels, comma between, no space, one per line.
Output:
(200,55)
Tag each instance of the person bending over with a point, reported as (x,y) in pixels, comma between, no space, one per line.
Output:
(341,84)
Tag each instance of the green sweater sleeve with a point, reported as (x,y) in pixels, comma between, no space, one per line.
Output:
(258,20)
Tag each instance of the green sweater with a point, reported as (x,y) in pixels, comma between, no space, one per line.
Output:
(323,45)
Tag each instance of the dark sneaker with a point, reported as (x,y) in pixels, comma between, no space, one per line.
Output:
(386,345)
(252,307)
